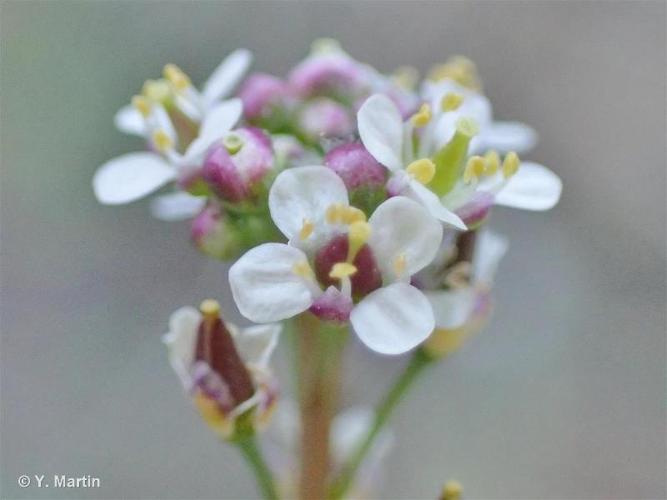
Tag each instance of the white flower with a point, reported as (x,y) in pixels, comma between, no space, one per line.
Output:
(195,104)
(470,189)
(203,351)
(501,136)
(339,266)
(391,142)
(135,175)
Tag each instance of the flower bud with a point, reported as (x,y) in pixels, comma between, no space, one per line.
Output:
(325,118)
(260,93)
(214,235)
(355,165)
(236,165)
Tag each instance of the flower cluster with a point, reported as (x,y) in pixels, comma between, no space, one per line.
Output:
(338,192)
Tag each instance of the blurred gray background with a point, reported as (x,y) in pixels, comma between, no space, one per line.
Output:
(562,397)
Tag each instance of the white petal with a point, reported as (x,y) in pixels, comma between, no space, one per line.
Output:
(381,130)
(401,226)
(452,308)
(181,341)
(507,136)
(533,187)
(256,343)
(393,319)
(130,177)
(304,193)
(265,286)
(226,76)
(217,123)
(491,248)
(433,204)
(130,121)
(176,206)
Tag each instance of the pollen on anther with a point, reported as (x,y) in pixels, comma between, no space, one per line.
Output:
(491,162)
(423,170)
(306,229)
(422,117)
(342,270)
(176,77)
(451,101)
(161,140)
(142,105)
(474,169)
(511,164)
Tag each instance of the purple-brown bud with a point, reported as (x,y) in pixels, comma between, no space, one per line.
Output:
(260,93)
(324,117)
(355,165)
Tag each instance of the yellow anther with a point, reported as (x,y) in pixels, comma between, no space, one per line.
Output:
(352,215)
(210,307)
(511,164)
(400,264)
(303,270)
(491,162)
(233,143)
(467,126)
(406,77)
(474,169)
(156,90)
(422,170)
(176,77)
(142,105)
(162,141)
(334,213)
(452,491)
(342,270)
(357,236)
(451,101)
(325,46)
(459,275)
(459,69)
(306,229)
(422,117)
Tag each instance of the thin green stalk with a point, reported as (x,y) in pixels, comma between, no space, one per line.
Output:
(253,456)
(414,368)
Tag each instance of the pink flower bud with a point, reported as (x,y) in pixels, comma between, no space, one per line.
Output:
(236,164)
(213,236)
(325,118)
(355,165)
(260,92)
(327,73)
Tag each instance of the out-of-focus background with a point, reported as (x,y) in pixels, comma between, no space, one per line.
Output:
(562,397)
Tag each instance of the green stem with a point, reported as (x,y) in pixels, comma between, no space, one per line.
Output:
(414,368)
(253,456)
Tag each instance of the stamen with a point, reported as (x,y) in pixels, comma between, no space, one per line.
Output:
(156,90)
(459,69)
(422,117)
(357,235)
(303,270)
(352,215)
(422,170)
(491,162)
(451,101)
(406,77)
(334,213)
(342,270)
(210,308)
(400,264)
(467,126)
(162,141)
(511,164)
(459,275)
(474,169)
(176,77)
(142,105)
(306,229)
(233,143)
(325,46)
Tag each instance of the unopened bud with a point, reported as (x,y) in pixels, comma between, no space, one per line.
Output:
(260,94)
(355,165)
(325,118)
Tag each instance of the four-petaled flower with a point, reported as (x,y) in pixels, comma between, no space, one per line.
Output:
(338,265)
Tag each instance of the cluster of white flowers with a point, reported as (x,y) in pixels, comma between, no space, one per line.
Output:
(337,191)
